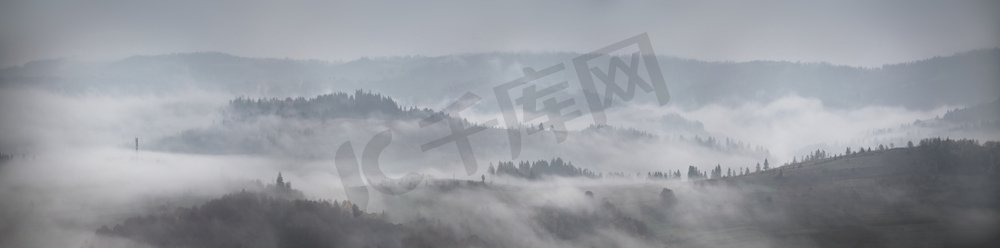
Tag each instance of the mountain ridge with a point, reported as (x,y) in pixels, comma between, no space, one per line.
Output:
(963,79)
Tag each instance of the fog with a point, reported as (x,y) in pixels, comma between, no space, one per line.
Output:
(48,122)
(450,124)
(788,127)
(76,168)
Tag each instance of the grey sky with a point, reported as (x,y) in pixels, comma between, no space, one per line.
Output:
(867,33)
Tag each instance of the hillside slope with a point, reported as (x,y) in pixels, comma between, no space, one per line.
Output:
(941,193)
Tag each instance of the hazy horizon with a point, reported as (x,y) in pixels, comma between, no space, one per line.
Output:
(391,57)
(856,33)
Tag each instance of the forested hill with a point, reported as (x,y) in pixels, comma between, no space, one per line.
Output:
(251,219)
(311,127)
(935,157)
(981,121)
(916,195)
(989,112)
(361,104)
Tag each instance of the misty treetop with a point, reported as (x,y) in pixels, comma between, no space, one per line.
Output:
(627,133)
(361,104)
(540,169)
(661,175)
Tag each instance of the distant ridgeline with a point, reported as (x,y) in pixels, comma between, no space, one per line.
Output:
(540,169)
(361,104)
(961,79)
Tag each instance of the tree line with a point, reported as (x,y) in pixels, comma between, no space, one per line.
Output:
(540,169)
(360,104)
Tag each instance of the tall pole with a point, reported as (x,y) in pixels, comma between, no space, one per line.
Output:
(136,144)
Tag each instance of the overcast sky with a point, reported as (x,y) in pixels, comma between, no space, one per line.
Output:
(865,33)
